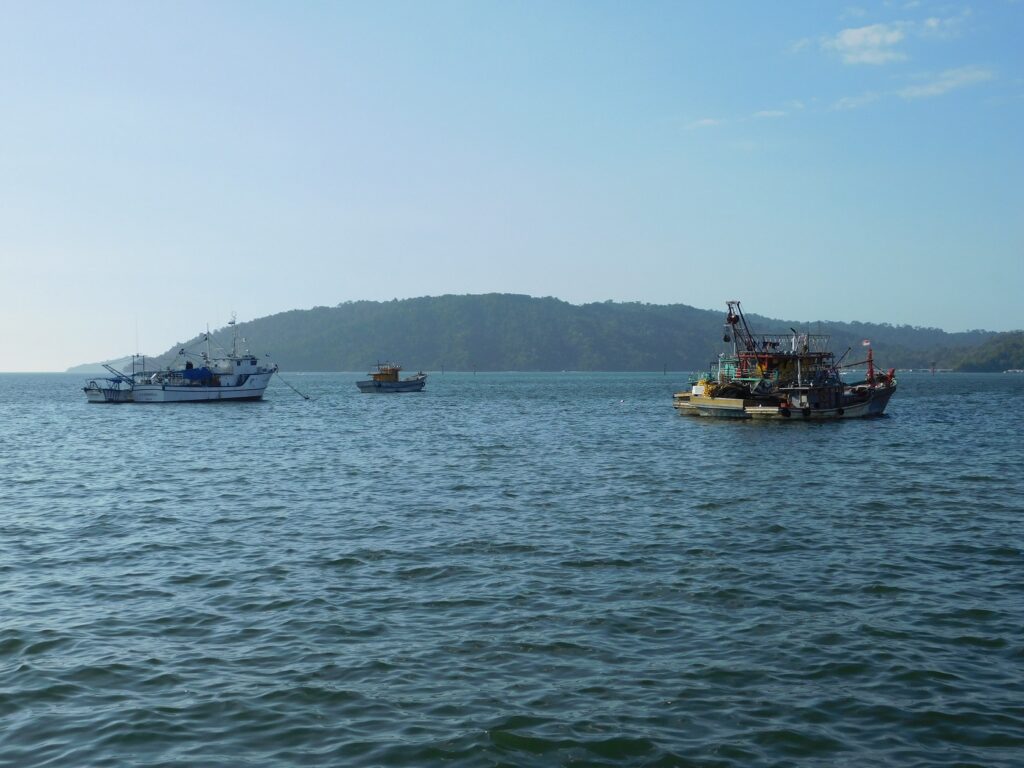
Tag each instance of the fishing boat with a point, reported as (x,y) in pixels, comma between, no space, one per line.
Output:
(385,380)
(117,388)
(204,377)
(783,377)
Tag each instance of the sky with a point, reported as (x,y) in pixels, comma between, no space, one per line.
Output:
(164,165)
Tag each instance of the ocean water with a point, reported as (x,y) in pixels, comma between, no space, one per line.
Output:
(510,570)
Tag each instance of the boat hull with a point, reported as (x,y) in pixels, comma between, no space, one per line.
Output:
(251,389)
(734,408)
(390,387)
(681,402)
(107,395)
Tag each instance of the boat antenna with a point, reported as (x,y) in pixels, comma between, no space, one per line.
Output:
(234,336)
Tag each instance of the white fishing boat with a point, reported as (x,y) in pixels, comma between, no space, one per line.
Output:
(204,377)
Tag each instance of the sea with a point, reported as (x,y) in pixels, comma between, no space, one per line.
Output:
(510,569)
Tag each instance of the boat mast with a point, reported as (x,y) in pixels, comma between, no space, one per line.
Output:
(736,326)
(794,347)
(234,336)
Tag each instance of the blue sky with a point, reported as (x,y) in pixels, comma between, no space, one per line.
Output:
(165,164)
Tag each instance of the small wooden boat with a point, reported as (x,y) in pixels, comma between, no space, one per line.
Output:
(385,380)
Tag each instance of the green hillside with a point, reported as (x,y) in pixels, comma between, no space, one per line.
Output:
(513,332)
(1001,352)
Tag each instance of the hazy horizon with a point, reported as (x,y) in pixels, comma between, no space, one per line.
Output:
(167,165)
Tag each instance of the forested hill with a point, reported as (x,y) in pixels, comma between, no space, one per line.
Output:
(1002,352)
(496,332)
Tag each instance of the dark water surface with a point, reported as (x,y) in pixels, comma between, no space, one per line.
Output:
(510,569)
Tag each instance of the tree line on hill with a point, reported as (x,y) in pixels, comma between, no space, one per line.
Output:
(509,332)
(1004,351)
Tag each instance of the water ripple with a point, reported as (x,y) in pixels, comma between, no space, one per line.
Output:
(510,570)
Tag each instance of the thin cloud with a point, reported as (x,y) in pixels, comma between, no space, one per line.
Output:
(745,145)
(856,102)
(943,29)
(879,43)
(800,45)
(936,85)
(873,44)
(763,114)
(947,81)
(705,122)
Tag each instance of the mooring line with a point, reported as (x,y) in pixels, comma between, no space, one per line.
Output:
(293,389)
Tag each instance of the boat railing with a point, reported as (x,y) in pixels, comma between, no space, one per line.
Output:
(791,343)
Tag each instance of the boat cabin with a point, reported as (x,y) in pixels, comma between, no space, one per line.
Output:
(386,372)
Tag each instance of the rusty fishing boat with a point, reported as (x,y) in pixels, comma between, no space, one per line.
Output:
(784,377)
